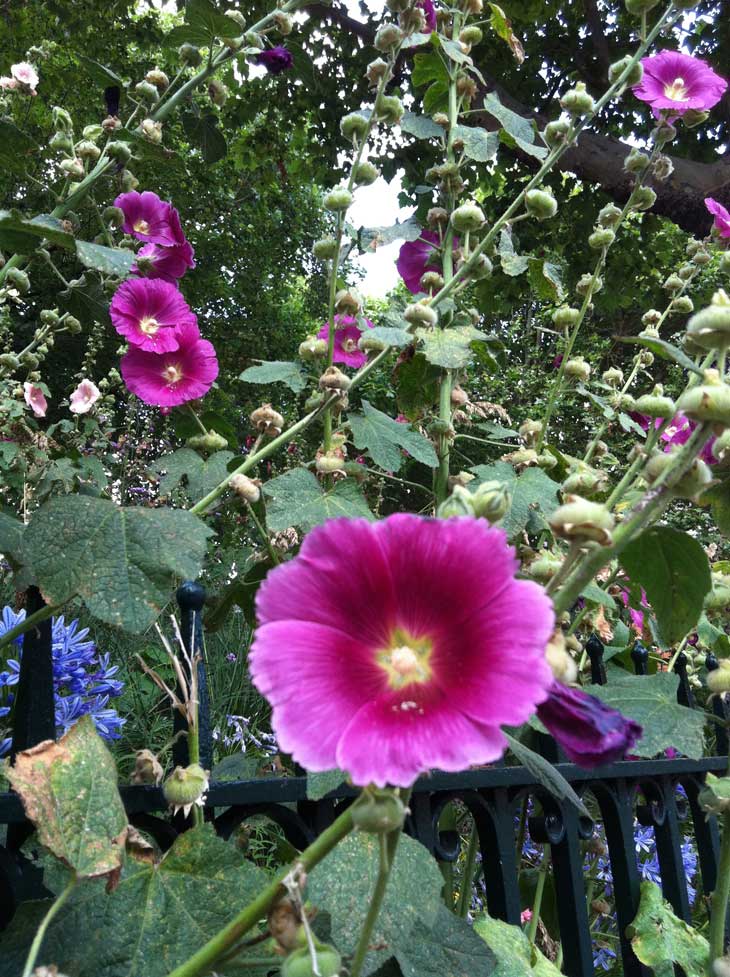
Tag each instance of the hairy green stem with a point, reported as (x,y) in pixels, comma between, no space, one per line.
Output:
(720,898)
(537,905)
(41,931)
(30,622)
(467,879)
(376,901)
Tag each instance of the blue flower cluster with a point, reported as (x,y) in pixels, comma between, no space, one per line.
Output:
(83,680)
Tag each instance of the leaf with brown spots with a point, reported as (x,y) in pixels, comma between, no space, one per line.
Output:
(69,791)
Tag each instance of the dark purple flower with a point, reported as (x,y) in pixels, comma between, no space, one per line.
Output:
(590,732)
(415,258)
(275,60)
(429,9)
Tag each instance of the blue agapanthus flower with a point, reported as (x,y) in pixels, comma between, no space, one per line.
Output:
(83,679)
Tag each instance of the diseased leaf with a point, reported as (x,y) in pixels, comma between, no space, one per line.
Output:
(386,439)
(534,495)
(479,144)
(546,279)
(428,68)
(392,335)
(417,385)
(651,700)
(343,883)
(420,126)
(449,348)
(502,27)
(454,50)
(109,261)
(296,498)
(11,537)
(24,234)
(673,569)
(660,939)
(512,264)
(371,238)
(521,131)
(200,475)
(663,349)
(512,949)
(277,371)
(718,498)
(123,562)
(449,947)
(320,784)
(238,766)
(545,773)
(69,791)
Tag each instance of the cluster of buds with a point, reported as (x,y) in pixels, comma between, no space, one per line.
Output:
(490,500)
(267,421)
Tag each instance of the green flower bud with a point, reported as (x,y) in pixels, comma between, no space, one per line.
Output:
(565,317)
(664,133)
(686,271)
(338,199)
(481,268)
(693,118)
(210,442)
(545,566)
(644,198)
(353,126)
(636,161)
(715,795)
(582,520)
(113,216)
(710,327)
(556,132)
(389,109)
(325,249)
(701,258)
(586,481)
(329,462)
(491,501)
(313,403)
(327,963)
(468,217)
(541,204)
(312,348)
(618,67)
(420,313)
(146,91)
(645,357)
(61,120)
(86,149)
(694,481)
(638,7)
(577,101)
(18,279)
(185,786)
(370,344)
(72,168)
(72,324)
(375,71)
(119,151)
(602,237)
(365,174)
(217,92)
(683,305)
(10,361)
(388,37)
(587,284)
(710,401)
(61,142)
(578,369)
(431,281)
(613,377)
(656,404)
(673,283)
(651,317)
(609,216)
(546,461)
(457,504)
(378,811)
(29,360)
(129,181)
(725,263)
(471,35)
(190,54)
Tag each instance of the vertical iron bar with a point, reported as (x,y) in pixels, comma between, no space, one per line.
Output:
(34,716)
(496,829)
(570,893)
(669,850)
(684,691)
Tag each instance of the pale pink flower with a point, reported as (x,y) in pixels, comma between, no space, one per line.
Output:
(25,75)
(84,397)
(9,84)
(35,399)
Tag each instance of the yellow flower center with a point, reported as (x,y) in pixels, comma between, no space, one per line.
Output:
(349,345)
(406,660)
(677,91)
(149,325)
(141,226)
(172,373)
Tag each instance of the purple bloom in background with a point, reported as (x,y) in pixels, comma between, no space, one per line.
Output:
(150,219)
(347,334)
(429,9)
(415,258)
(589,732)
(678,433)
(83,680)
(675,82)
(721,215)
(275,60)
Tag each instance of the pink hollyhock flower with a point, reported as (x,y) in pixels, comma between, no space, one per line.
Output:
(172,378)
(637,617)
(168,264)
(347,334)
(589,732)
(7,83)
(677,433)
(25,76)
(525,916)
(383,647)
(149,313)
(675,82)
(721,215)
(35,399)
(150,219)
(415,258)
(275,60)
(84,397)
(429,9)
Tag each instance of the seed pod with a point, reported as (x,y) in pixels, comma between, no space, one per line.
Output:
(419,312)
(348,301)
(378,811)
(375,71)
(609,216)
(370,344)
(468,217)
(327,963)
(618,67)
(334,379)
(388,37)
(644,198)
(578,369)
(389,109)
(683,305)
(579,519)
(146,91)
(556,132)
(185,786)
(147,768)
(312,348)
(266,420)
(710,401)
(656,404)
(365,174)
(577,101)
(248,488)
(338,200)
(710,327)
(613,377)
(602,237)
(353,126)
(325,249)
(541,204)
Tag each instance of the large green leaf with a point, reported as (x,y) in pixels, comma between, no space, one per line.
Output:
(109,261)
(673,569)
(420,126)
(200,475)
(156,918)
(660,940)
(651,700)
(277,371)
(449,348)
(342,885)
(534,495)
(24,234)
(521,131)
(449,947)
(123,562)
(513,950)
(513,264)
(319,784)
(417,385)
(296,498)
(392,335)
(69,791)
(719,499)
(11,537)
(86,299)
(203,22)
(479,144)
(386,439)
(546,279)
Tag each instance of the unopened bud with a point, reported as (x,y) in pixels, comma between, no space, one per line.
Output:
(656,404)
(545,566)
(210,442)
(609,216)
(147,768)
(577,101)
(431,281)
(325,249)
(326,962)
(710,327)
(437,216)
(18,279)
(334,379)
(541,204)
(119,151)
(644,198)
(634,76)
(578,369)
(338,200)
(190,54)
(365,174)
(267,420)
(353,126)
(157,78)
(420,313)
(312,348)
(602,237)
(586,481)
(185,786)
(694,117)
(146,91)
(683,305)
(375,71)
(579,519)
(72,168)
(388,37)
(613,377)
(468,217)
(248,488)
(556,133)
(378,811)
(389,109)
(710,401)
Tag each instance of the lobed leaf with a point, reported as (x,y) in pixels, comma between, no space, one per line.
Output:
(277,371)
(386,439)
(296,498)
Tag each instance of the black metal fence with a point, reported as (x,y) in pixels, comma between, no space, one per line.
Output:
(624,792)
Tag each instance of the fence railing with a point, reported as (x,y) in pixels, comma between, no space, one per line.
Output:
(623,793)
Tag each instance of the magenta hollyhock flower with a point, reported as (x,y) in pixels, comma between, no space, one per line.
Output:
(385,647)
(415,258)
(172,378)
(84,397)
(275,59)
(637,617)
(590,732)
(168,264)
(429,9)
(677,433)
(150,219)
(347,334)
(149,312)
(675,82)
(35,399)
(721,215)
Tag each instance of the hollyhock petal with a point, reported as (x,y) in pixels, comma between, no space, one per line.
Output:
(721,215)
(26,75)
(167,263)
(84,397)
(175,377)
(149,314)
(413,260)
(676,82)
(35,399)
(429,9)
(275,59)
(148,218)
(317,687)
(347,334)
(590,732)
(400,735)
